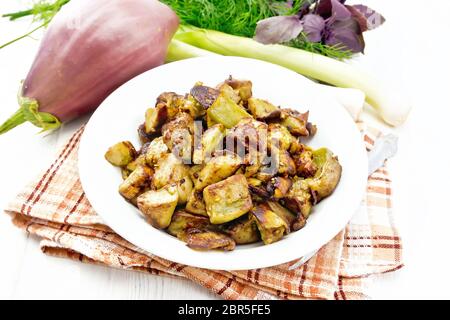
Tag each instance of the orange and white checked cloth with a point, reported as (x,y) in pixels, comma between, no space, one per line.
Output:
(55,208)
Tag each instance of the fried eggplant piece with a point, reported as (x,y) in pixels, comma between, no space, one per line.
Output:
(267,172)
(252,169)
(169,169)
(327,176)
(242,87)
(254,182)
(166,108)
(299,199)
(258,194)
(139,161)
(226,111)
(270,225)
(295,122)
(228,199)
(209,240)
(209,121)
(196,204)
(125,173)
(295,222)
(279,137)
(312,128)
(171,101)
(158,206)
(284,161)
(194,170)
(304,162)
(178,136)
(144,137)
(136,182)
(154,119)
(248,135)
(262,109)
(229,92)
(217,169)
(184,188)
(242,230)
(155,151)
(278,187)
(280,162)
(192,107)
(121,154)
(183,221)
(204,95)
(211,139)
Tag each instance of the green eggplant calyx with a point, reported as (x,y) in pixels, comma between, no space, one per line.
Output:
(44,120)
(29,111)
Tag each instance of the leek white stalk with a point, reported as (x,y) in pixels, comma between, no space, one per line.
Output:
(179,50)
(390,107)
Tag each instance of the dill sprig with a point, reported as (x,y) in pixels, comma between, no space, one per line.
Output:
(337,51)
(42,11)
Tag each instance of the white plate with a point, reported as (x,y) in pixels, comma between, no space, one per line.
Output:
(120,114)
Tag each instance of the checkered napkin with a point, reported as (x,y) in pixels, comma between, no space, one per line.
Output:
(55,208)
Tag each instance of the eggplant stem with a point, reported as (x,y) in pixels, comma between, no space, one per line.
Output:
(16,119)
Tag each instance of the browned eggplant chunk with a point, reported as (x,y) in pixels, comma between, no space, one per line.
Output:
(242,87)
(242,230)
(209,240)
(183,221)
(158,206)
(136,182)
(270,225)
(121,154)
(278,187)
(228,199)
(204,95)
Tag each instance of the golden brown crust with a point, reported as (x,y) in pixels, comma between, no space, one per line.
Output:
(209,240)
(270,225)
(158,206)
(228,199)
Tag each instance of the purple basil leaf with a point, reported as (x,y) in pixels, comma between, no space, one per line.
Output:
(346,33)
(329,8)
(339,11)
(323,9)
(278,29)
(374,19)
(359,17)
(313,26)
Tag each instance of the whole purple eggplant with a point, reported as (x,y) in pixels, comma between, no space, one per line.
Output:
(89,50)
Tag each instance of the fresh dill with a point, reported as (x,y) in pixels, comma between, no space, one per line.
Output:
(337,52)
(236,17)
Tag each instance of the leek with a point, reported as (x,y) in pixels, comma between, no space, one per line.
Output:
(391,108)
(179,50)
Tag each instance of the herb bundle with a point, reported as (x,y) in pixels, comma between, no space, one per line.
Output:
(235,17)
